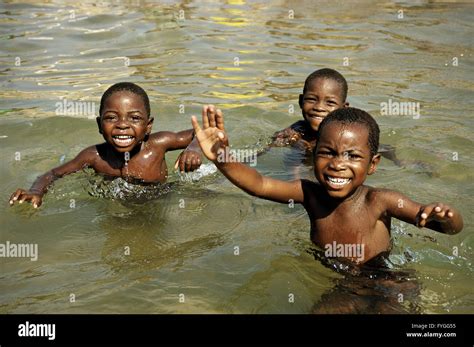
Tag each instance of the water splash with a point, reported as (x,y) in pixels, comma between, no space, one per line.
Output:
(203,171)
(120,189)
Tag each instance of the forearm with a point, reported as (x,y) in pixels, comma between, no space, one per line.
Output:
(255,184)
(41,184)
(244,177)
(184,139)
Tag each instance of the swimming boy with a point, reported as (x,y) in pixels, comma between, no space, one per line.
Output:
(324,91)
(130,149)
(344,213)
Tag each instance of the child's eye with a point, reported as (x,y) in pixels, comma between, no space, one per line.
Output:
(325,153)
(110,118)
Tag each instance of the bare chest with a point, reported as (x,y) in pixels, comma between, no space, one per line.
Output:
(146,166)
(353,233)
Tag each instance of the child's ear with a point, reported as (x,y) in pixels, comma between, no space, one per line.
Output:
(149,125)
(97,119)
(373,164)
(300,101)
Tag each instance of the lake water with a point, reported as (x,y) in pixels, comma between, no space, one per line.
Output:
(204,246)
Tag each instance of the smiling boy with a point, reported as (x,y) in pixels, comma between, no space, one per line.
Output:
(130,149)
(324,91)
(342,210)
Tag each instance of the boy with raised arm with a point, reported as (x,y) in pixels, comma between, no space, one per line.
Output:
(344,213)
(130,150)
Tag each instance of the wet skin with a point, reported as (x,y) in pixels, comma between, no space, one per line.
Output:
(340,202)
(340,207)
(129,151)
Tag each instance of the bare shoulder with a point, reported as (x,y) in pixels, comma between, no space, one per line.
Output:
(86,158)
(377,194)
(380,196)
(88,155)
(300,126)
(392,202)
(296,127)
(160,139)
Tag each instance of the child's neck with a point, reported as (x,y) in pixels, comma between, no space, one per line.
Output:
(346,201)
(123,157)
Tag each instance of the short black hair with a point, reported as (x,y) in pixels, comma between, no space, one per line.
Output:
(329,74)
(352,115)
(129,87)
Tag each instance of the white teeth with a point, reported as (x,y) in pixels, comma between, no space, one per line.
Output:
(123,140)
(338,181)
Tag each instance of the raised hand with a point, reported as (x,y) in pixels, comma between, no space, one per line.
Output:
(21,195)
(211,136)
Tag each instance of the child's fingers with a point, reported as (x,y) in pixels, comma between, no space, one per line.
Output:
(195,124)
(424,214)
(219,119)
(436,211)
(443,211)
(182,164)
(176,163)
(439,212)
(24,197)
(211,113)
(36,201)
(14,197)
(205,120)
(189,165)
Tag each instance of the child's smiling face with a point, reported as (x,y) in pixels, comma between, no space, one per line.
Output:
(124,122)
(342,158)
(322,96)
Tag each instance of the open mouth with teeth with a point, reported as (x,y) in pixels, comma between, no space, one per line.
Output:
(336,182)
(315,117)
(123,140)
(315,120)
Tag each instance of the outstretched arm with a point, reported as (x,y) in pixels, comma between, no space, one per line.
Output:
(41,184)
(214,144)
(436,216)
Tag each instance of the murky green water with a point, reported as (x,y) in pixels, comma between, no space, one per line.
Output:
(250,59)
